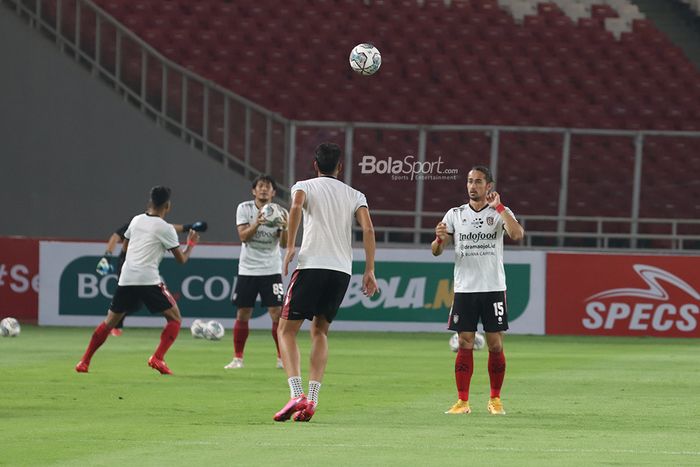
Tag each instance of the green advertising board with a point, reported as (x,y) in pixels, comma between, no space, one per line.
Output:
(410,291)
(416,289)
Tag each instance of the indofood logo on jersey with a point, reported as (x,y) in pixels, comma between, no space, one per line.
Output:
(649,309)
(407,168)
(477,236)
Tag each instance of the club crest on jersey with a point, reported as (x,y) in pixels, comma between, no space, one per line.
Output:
(477,223)
(489,221)
(455,319)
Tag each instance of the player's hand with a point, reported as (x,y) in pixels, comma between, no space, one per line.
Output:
(288,257)
(282,224)
(285,219)
(441,231)
(260,220)
(200,226)
(494,199)
(192,236)
(104,267)
(369,284)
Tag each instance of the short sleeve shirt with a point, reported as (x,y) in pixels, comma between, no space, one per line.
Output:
(478,244)
(149,238)
(329,214)
(260,256)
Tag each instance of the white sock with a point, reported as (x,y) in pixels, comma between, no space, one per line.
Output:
(295,387)
(314,387)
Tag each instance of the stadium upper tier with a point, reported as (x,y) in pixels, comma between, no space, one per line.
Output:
(506,62)
(469,62)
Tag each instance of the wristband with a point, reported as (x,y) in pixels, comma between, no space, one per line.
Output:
(191,244)
(438,240)
(186,227)
(500,208)
(108,253)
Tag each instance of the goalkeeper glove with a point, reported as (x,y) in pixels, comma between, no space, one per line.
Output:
(199,226)
(104,267)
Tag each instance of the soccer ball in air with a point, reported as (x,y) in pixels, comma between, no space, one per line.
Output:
(274,214)
(197,328)
(9,327)
(479,342)
(214,330)
(365,59)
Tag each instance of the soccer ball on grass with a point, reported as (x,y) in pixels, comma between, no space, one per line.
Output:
(197,328)
(214,330)
(9,327)
(479,341)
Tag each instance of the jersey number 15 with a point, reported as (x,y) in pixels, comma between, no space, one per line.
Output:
(498,308)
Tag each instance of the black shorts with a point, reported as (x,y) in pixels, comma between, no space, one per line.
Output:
(128,298)
(468,308)
(270,289)
(315,292)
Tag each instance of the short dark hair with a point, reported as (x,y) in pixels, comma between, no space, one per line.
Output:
(327,157)
(160,195)
(265,178)
(485,170)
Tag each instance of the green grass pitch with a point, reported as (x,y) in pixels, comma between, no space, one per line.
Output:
(570,401)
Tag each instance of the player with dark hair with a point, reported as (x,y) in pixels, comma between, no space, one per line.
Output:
(323,272)
(147,239)
(105,266)
(259,267)
(476,229)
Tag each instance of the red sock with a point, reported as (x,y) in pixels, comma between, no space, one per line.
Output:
(464,368)
(240,335)
(274,336)
(167,337)
(99,336)
(497,371)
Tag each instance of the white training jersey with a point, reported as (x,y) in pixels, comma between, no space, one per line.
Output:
(260,256)
(149,238)
(478,242)
(329,214)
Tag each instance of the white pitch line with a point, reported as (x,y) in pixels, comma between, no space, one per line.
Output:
(506,449)
(476,448)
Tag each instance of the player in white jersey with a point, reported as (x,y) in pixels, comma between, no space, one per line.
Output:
(105,266)
(318,285)
(259,267)
(146,240)
(476,230)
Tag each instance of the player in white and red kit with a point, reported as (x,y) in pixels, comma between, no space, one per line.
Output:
(146,240)
(259,267)
(476,230)
(318,285)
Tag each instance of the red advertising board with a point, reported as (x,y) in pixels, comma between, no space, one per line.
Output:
(623,295)
(19,278)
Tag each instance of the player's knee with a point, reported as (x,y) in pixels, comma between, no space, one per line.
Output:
(173,314)
(318,332)
(466,344)
(244,314)
(275,313)
(284,329)
(496,347)
(113,319)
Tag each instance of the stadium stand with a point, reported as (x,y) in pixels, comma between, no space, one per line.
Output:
(481,56)
(563,63)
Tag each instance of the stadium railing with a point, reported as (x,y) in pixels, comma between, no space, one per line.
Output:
(250,139)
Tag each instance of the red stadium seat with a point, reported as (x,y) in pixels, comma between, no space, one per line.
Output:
(481,68)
